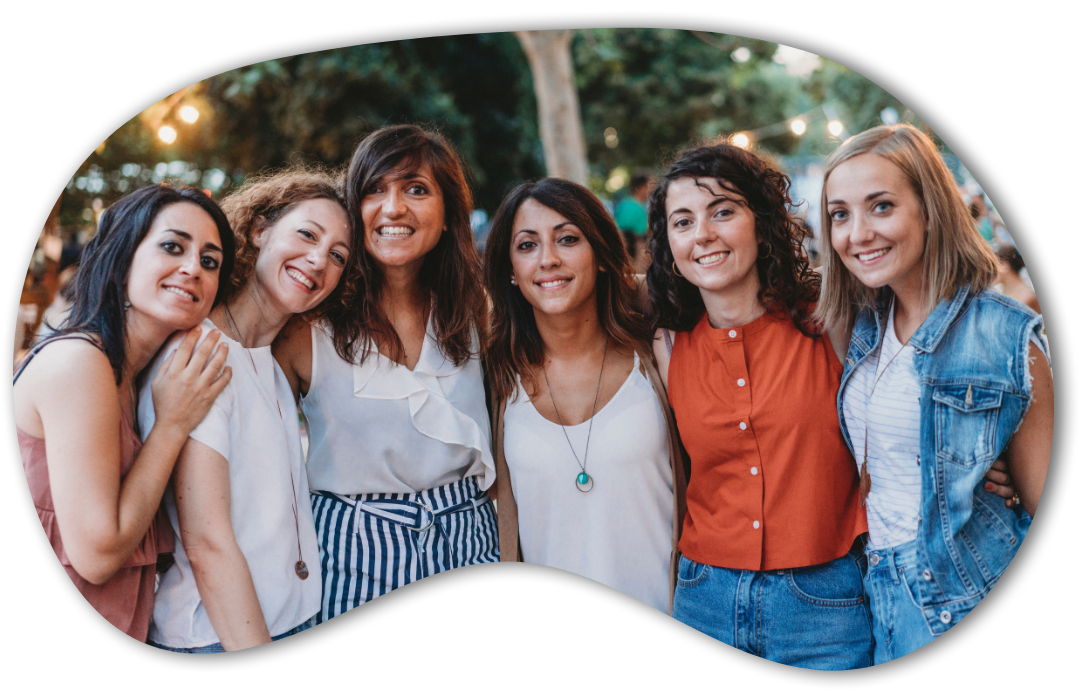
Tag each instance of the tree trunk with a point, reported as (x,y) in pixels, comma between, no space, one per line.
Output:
(556,96)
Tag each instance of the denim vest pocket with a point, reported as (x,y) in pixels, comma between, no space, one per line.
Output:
(691,573)
(965,421)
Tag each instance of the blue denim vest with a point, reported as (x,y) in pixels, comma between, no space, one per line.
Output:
(971,357)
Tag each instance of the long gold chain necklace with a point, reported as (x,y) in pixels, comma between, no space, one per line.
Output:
(584,478)
(300,568)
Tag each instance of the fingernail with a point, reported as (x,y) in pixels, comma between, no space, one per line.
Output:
(989,486)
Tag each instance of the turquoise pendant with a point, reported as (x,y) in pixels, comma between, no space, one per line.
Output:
(583,481)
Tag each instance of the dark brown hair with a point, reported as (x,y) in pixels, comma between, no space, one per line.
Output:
(514,344)
(451,271)
(788,284)
(262,201)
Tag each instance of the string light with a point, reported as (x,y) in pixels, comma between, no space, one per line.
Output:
(167,134)
(189,114)
(798,126)
(741,139)
(836,127)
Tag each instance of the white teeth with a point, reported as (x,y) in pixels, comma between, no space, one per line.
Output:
(302,279)
(395,231)
(709,259)
(556,283)
(181,292)
(867,257)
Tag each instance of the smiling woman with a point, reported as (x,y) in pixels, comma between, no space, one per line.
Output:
(246,544)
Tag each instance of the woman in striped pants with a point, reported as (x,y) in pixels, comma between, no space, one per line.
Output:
(400,454)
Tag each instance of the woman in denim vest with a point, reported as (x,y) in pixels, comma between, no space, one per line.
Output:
(942,377)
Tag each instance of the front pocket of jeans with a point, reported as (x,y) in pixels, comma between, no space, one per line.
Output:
(965,422)
(836,584)
(691,573)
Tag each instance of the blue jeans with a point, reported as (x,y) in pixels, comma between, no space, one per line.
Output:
(216,647)
(811,617)
(899,625)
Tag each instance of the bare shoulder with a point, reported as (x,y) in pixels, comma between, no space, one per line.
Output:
(66,379)
(294,338)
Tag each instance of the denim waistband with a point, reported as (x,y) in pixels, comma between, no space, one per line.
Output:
(891,561)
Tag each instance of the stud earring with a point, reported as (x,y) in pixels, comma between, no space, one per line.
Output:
(513,281)
(127,305)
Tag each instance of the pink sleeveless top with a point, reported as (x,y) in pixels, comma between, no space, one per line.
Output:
(127,598)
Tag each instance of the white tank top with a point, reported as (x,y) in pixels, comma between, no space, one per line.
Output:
(376,427)
(618,534)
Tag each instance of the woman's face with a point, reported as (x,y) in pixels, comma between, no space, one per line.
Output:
(712,237)
(878,225)
(302,255)
(174,272)
(403,218)
(553,264)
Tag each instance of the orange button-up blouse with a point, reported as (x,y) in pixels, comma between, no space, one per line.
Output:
(772,483)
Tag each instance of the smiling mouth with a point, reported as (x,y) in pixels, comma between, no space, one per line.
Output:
(395,231)
(181,293)
(872,255)
(301,278)
(712,258)
(552,284)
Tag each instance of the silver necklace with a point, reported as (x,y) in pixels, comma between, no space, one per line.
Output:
(584,478)
(300,568)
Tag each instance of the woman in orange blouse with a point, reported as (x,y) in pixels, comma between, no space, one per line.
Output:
(772,542)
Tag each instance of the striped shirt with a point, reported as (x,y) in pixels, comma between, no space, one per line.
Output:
(881,407)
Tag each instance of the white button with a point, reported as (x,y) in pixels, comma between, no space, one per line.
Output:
(756,524)
(945,617)
(742,426)
(732,334)
(753,470)
(741,382)
(926,575)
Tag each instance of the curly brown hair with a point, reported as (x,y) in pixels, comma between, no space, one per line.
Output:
(262,200)
(788,283)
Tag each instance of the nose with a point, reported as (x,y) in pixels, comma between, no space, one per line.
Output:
(860,231)
(705,232)
(192,264)
(394,204)
(549,255)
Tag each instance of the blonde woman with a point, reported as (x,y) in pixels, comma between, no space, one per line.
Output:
(942,376)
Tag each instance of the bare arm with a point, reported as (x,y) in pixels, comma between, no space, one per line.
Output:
(292,350)
(101,517)
(1028,452)
(839,338)
(201,488)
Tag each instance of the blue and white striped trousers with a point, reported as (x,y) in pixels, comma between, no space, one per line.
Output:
(372,544)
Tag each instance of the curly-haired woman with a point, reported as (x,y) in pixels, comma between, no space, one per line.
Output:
(246,554)
(772,542)
(390,383)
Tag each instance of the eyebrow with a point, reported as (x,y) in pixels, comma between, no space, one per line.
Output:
(870,197)
(187,237)
(718,200)
(553,228)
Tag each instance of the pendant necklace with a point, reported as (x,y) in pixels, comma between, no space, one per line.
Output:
(584,478)
(301,568)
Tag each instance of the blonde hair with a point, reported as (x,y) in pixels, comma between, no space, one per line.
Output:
(954,253)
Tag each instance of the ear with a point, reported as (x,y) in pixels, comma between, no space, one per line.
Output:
(258,230)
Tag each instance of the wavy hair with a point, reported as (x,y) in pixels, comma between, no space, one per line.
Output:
(954,253)
(788,283)
(100,287)
(451,271)
(514,343)
(262,200)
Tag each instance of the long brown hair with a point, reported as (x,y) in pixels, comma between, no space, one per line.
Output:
(451,271)
(788,283)
(514,344)
(954,253)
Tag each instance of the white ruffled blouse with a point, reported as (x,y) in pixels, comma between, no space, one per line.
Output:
(377,427)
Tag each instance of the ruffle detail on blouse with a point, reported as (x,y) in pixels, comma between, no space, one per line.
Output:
(431,412)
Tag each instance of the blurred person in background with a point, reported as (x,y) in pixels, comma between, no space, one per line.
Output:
(57,312)
(632,218)
(1011,279)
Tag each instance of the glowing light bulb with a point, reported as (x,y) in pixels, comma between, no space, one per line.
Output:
(167,134)
(741,139)
(836,127)
(798,126)
(189,114)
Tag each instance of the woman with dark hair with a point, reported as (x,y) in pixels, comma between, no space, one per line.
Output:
(1012,283)
(772,542)
(582,431)
(942,376)
(238,501)
(400,460)
(161,257)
